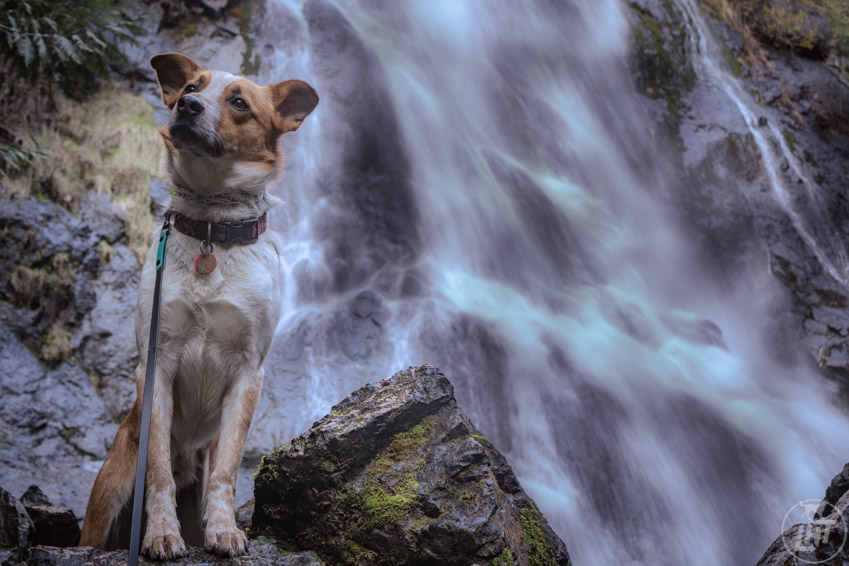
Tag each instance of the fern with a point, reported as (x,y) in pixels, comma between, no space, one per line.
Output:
(54,43)
(64,42)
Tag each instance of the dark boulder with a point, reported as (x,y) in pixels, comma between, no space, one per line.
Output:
(397,474)
(54,526)
(16,528)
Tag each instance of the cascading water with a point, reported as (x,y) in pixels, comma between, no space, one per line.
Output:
(474,191)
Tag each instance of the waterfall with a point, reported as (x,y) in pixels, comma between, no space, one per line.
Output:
(478,189)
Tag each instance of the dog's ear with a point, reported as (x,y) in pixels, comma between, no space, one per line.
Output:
(173,72)
(293,101)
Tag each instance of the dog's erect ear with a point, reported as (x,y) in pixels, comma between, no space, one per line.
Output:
(293,101)
(173,71)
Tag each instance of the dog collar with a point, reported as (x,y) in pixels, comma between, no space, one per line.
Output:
(233,232)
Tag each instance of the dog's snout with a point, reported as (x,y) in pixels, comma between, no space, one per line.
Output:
(189,106)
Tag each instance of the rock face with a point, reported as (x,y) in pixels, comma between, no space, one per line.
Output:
(397,474)
(727,197)
(67,291)
(825,540)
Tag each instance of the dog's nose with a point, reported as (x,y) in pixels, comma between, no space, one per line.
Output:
(189,106)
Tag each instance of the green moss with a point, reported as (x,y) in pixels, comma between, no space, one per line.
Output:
(353,553)
(383,505)
(68,433)
(810,158)
(790,138)
(503,559)
(537,546)
(481,439)
(243,12)
(665,71)
(413,438)
(342,412)
(272,511)
(266,471)
(188,27)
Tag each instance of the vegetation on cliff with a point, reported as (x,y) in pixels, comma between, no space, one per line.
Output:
(61,134)
(813,28)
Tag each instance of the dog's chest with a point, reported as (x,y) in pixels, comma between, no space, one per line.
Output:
(214,328)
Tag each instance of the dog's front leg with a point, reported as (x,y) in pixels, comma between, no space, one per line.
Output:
(221,535)
(162,540)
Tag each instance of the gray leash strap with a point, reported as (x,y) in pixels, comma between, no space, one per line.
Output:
(147,399)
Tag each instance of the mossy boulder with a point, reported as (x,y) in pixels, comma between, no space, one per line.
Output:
(398,474)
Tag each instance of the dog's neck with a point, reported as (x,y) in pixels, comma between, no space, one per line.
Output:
(217,191)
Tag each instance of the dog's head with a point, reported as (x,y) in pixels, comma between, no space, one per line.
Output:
(225,129)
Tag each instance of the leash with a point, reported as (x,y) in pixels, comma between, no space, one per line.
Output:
(147,399)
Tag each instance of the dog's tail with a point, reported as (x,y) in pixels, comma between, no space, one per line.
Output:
(112,494)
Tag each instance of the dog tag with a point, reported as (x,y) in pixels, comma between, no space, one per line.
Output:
(205,264)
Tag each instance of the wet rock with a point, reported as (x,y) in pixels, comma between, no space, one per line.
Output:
(838,488)
(16,528)
(729,204)
(261,554)
(398,474)
(54,526)
(825,540)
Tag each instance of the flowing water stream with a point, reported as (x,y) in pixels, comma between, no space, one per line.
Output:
(514,238)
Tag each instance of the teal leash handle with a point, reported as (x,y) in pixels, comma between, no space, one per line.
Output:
(147,399)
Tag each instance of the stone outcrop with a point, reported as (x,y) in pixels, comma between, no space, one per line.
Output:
(726,197)
(397,474)
(54,526)
(825,540)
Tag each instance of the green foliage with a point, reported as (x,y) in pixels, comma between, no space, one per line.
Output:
(15,158)
(806,25)
(63,42)
(836,13)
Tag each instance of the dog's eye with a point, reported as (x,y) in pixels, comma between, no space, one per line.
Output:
(190,88)
(239,104)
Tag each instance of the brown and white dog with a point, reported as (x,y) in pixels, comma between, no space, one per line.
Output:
(221,151)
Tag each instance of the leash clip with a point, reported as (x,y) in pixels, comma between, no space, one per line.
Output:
(164,234)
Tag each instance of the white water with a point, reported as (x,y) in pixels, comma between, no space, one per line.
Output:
(555,293)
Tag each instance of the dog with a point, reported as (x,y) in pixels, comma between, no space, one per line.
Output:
(220,303)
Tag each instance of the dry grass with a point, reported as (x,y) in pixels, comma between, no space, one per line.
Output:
(108,144)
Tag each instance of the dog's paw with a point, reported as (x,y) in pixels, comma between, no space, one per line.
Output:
(225,540)
(163,546)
